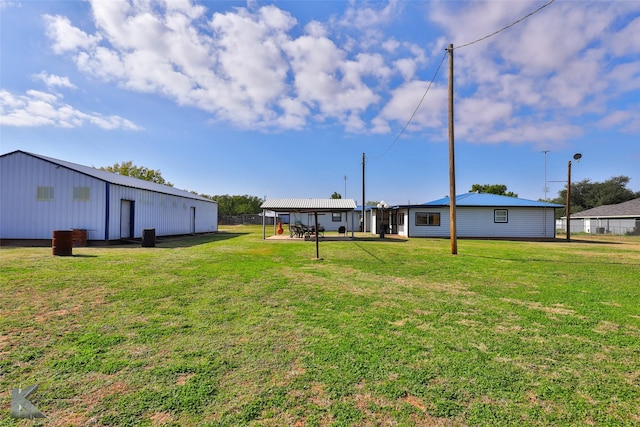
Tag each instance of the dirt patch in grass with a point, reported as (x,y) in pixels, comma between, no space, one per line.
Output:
(605,327)
(160,418)
(555,309)
(415,402)
(87,402)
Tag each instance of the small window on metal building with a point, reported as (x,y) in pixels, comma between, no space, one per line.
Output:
(500,215)
(44,193)
(336,216)
(81,193)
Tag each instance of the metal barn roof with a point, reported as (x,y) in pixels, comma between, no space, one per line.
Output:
(491,200)
(310,205)
(117,179)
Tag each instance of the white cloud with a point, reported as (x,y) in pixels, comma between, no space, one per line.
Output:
(243,66)
(51,80)
(258,67)
(362,17)
(37,108)
(404,102)
(626,120)
(5,4)
(66,37)
(553,69)
(627,41)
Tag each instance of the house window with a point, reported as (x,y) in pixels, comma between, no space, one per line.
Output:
(428,218)
(336,216)
(401,219)
(500,215)
(44,193)
(81,193)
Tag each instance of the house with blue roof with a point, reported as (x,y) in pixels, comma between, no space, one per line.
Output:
(478,215)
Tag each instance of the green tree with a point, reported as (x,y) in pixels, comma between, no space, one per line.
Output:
(236,205)
(586,194)
(336,195)
(140,172)
(499,189)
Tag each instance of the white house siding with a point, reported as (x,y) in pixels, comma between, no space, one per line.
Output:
(167,214)
(428,230)
(25,217)
(479,222)
(347,219)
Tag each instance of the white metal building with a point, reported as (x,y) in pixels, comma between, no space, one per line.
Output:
(39,195)
(478,215)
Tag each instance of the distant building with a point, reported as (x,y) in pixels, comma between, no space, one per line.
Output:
(621,218)
(39,195)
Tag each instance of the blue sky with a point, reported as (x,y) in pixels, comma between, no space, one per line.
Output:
(281,98)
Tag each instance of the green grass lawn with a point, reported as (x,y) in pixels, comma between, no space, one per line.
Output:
(231,330)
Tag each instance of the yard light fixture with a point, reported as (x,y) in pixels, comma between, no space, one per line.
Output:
(381,207)
(577,158)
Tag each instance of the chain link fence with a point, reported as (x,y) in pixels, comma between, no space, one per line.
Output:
(616,227)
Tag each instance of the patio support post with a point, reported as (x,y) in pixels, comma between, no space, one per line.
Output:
(315,216)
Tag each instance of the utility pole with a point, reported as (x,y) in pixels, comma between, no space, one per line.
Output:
(569,201)
(545,188)
(452,164)
(364,217)
(577,158)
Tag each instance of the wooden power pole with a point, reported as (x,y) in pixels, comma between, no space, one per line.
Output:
(452,163)
(364,217)
(569,201)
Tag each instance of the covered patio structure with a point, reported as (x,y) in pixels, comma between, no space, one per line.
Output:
(311,206)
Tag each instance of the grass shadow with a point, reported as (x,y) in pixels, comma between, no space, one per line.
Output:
(184,241)
(195,240)
(370,253)
(554,261)
(379,240)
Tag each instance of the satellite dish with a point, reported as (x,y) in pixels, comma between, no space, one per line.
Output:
(577,156)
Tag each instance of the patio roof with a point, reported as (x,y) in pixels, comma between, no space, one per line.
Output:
(309,205)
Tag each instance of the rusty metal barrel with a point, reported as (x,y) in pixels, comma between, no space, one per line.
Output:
(62,242)
(79,237)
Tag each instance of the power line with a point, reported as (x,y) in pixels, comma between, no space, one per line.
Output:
(507,27)
(440,65)
(414,111)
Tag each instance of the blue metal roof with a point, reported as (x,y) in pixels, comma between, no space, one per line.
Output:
(492,200)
